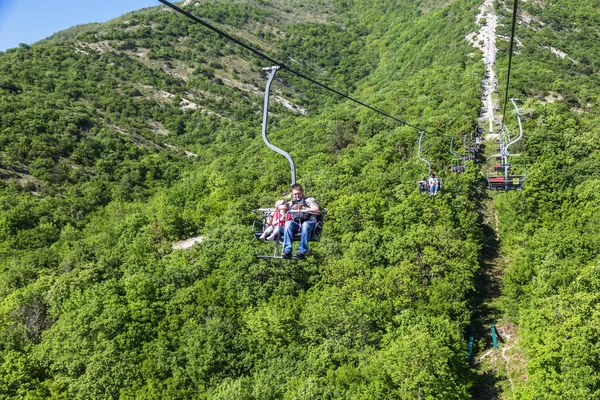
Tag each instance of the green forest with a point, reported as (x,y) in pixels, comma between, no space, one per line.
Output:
(119,139)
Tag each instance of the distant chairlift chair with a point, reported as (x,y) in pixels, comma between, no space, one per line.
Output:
(506,181)
(458,167)
(423,184)
(470,148)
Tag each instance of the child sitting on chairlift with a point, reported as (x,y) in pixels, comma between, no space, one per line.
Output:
(276,222)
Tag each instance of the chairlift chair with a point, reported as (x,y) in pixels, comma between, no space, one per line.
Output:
(458,167)
(258,227)
(471,150)
(506,181)
(423,184)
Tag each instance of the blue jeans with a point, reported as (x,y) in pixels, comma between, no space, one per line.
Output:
(433,189)
(292,227)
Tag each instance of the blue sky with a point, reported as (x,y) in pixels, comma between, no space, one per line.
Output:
(27,21)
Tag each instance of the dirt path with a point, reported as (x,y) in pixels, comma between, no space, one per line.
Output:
(497,370)
(485,40)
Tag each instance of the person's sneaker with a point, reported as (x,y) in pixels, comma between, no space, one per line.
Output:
(287,256)
(298,256)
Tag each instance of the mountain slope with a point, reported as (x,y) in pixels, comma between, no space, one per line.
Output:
(146,130)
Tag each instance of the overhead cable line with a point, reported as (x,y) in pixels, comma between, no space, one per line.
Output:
(510,54)
(287,67)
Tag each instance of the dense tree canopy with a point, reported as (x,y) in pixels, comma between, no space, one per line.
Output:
(117,139)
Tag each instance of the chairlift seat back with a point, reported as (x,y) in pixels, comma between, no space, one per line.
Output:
(514,182)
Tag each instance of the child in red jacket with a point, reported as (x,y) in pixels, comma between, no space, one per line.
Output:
(277,220)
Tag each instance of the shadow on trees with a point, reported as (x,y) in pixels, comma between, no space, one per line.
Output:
(485,313)
(486,387)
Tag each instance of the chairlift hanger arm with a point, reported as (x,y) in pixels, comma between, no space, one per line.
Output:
(451,151)
(466,146)
(520,126)
(419,152)
(272,71)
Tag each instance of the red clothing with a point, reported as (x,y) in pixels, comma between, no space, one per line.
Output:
(277,219)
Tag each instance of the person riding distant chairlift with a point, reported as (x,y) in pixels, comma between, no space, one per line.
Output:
(301,221)
(434,184)
(276,221)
